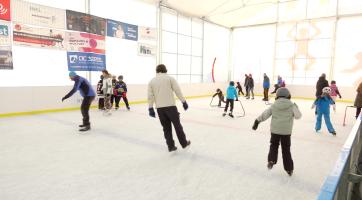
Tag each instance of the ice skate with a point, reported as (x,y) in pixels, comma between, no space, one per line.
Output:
(128,108)
(170,149)
(290,173)
(334,133)
(231,115)
(270,165)
(86,128)
(187,144)
(81,126)
(224,114)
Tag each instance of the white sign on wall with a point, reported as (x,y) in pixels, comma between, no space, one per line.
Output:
(147,49)
(147,33)
(35,14)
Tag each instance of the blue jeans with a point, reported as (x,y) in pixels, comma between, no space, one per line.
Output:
(327,119)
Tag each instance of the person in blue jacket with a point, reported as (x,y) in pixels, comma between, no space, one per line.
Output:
(266,86)
(231,94)
(88,94)
(323,103)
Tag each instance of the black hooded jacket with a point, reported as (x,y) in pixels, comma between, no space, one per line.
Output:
(321,83)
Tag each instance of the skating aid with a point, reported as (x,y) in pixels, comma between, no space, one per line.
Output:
(345,113)
(239,115)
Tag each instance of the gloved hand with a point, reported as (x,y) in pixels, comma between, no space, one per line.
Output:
(63,99)
(256,124)
(236,99)
(185,105)
(334,107)
(151,112)
(313,106)
(340,96)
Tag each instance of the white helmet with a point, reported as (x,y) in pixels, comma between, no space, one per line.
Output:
(326,90)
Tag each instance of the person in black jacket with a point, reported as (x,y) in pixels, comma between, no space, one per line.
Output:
(250,86)
(220,95)
(321,83)
(240,89)
(121,92)
(246,80)
(100,94)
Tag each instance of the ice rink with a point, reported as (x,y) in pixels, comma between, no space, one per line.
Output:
(125,157)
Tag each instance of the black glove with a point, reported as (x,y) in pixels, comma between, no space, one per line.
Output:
(256,124)
(184,104)
(151,112)
(63,99)
(237,99)
(340,96)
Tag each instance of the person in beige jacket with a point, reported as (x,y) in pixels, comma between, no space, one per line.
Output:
(161,91)
(283,113)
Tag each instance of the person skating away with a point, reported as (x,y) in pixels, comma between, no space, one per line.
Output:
(283,112)
(322,104)
(107,91)
(88,94)
(231,95)
(250,87)
(246,85)
(266,86)
(100,94)
(278,85)
(220,95)
(121,91)
(161,91)
(240,89)
(358,100)
(335,91)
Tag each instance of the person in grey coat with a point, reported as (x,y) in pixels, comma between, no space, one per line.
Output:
(283,113)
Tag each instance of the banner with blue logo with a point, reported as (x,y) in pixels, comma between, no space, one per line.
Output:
(122,30)
(81,61)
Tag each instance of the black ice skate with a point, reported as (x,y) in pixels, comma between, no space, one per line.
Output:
(231,115)
(224,114)
(128,108)
(86,128)
(187,144)
(170,149)
(270,165)
(334,133)
(82,125)
(290,173)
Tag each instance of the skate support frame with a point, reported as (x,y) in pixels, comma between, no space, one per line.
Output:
(345,114)
(237,115)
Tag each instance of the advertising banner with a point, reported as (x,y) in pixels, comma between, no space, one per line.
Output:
(82,22)
(147,50)
(38,37)
(85,42)
(4,34)
(5,10)
(6,58)
(79,61)
(29,13)
(147,33)
(122,30)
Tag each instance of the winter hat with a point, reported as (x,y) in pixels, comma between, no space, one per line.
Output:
(283,92)
(72,74)
(232,83)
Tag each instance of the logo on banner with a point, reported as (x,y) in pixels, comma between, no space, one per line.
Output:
(5,10)
(79,61)
(73,59)
(4,30)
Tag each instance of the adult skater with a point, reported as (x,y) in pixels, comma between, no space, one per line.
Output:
(283,113)
(86,90)
(100,94)
(321,83)
(231,95)
(266,86)
(250,84)
(246,80)
(161,91)
(358,100)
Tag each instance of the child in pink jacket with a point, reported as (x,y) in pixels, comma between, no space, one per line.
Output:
(334,91)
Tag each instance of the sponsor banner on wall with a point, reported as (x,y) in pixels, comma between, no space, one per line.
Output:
(6,58)
(147,49)
(29,13)
(147,33)
(5,10)
(4,34)
(38,37)
(82,22)
(122,30)
(85,42)
(79,61)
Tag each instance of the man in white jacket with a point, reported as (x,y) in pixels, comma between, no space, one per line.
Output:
(161,91)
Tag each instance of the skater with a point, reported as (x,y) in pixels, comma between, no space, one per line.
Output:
(246,85)
(322,104)
(335,91)
(231,94)
(358,100)
(283,113)
(250,90)
(88,94)
(161,91)
(100,94)
(321,83)
(266,86)
(280,83)
(240,89)
(113,97)
(220,96)
(107,91)
(121,92)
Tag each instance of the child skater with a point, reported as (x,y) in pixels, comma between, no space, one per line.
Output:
(220,95)
(322,103)
(122,91)
(230,95)
(283,113)
(334,91)
(240,89)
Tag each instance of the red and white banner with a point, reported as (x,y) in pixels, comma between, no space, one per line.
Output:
(5,10)
(38,37)
(85,42)
(147,33)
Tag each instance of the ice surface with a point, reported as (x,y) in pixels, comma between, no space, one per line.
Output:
(43,157)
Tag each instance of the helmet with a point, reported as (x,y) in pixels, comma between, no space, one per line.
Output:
(326,90)
(283,92)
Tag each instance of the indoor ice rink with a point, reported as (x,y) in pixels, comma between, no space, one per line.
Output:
(89,90)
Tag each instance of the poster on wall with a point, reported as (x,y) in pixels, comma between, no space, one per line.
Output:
(5,10)
(82,22)
(38,37)
(122,30)
(147,33)
(6,58)
(80,61)
(146,50)
(35,14)
(4,34)
(85,42)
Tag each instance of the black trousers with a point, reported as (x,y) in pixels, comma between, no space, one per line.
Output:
(170,116)
(221,100)
(231,102)
(266,94)
(117,99)
(276,87)
(87,101)
(101,103)
(273,151)
(240,91)
(358,111)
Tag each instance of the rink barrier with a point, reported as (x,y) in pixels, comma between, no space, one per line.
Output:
(36,112)
(338,185)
